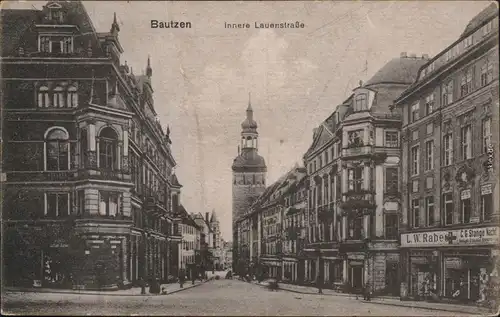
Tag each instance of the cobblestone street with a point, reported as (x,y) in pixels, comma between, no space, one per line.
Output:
(217,297)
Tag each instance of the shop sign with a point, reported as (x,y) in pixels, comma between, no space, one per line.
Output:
(453,263)
(486,189)
(465,194)
(458,237)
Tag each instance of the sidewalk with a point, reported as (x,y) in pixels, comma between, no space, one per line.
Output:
(386,300)
(134,291)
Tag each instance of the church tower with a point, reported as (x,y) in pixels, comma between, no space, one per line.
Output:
(249,168)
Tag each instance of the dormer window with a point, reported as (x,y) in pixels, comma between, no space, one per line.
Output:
(360,103)
(56,44)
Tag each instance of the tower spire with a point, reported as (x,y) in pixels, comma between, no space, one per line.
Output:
(115,28)
(149,70)
(249,108)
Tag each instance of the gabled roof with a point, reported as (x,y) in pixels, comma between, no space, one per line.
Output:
(321,136)
(175,181)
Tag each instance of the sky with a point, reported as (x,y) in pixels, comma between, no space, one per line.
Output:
(202,76)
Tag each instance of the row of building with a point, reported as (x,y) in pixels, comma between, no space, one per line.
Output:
(399,187)
(89,194)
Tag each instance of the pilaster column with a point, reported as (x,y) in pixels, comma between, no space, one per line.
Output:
(367,177)
(91,137)
(344,180)
(345,274)
(125,143)
(259,233)
(344,227)
(366,225)
(124,259)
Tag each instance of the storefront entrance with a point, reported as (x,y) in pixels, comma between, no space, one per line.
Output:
(356,276)
(391,279)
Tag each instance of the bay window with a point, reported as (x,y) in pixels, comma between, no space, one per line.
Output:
(355,138)
(355,179)
(355,227)
(108,149)
(108,203)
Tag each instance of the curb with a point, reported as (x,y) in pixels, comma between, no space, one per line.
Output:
(480,312)
(102,293)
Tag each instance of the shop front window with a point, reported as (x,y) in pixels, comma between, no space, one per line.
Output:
(355,228)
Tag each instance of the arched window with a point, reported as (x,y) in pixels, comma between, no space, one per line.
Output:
(57,150)
(72,97)
(43,97)
(108,148)
(360,103)
(58,97)
(249,142)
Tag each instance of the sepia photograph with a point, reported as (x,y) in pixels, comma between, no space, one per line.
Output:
(250,158)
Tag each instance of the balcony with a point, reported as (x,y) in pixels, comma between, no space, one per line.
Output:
(358,200)
(355,151)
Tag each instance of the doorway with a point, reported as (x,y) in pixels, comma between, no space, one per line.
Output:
(391,279)
(356,277)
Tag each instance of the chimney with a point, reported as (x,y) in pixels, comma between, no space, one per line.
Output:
(206,217)
(413,56)
(425,56)
(404,55)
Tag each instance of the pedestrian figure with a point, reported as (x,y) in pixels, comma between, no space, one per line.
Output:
(164,290)
(367,292)
(182,277)
(193,276)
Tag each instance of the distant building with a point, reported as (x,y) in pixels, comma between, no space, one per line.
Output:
(249,178)
(449,167)
(190,245)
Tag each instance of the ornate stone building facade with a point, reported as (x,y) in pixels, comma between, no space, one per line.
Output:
(89,197)
(450,190)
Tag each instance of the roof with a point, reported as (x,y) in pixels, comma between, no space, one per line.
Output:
(14,25)
(249,158)
(400,70)
(175,181)
(480,18)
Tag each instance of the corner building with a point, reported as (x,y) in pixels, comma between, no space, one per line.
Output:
(450,190)
(249,181)
(89,197)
